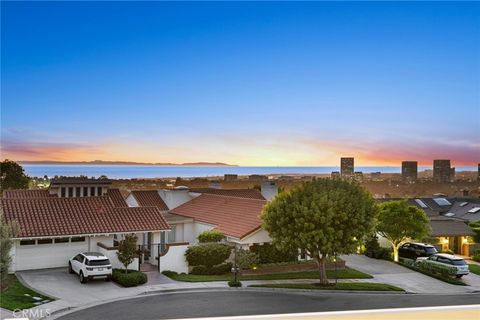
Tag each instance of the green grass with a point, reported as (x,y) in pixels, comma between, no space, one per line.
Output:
(361,286)
(14,296)
(474,268)
(340,274)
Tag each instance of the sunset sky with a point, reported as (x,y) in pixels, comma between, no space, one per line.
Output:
(242,83)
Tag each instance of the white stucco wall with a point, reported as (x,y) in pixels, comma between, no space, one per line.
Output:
(174,259)
(261,236)
(112,256)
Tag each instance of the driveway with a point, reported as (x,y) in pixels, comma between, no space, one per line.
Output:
(414,282)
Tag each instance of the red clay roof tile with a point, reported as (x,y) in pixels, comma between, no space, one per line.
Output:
(149,198)
(233,216)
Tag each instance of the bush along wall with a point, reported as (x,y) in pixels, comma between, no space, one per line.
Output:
(441,272)
(268,253)
(209,258)
(131,279)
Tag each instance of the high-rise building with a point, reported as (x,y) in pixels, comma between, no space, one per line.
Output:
(230,177)
(442,172)
(409,171)
(346,167)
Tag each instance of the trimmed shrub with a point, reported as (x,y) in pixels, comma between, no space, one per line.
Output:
(373,250)
(437,269)
(247,259)
(268,253)
(208,254)
(234,284)
(210,236)
(476,256)
(214,270)
(169,273)
(132,278)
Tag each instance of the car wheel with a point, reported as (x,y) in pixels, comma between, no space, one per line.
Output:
(108,278)
(70,270)
(82,278)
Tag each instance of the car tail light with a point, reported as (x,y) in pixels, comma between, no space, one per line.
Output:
(89,269)
(109,267)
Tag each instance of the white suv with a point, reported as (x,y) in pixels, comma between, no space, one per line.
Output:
(451,261)
(90,265)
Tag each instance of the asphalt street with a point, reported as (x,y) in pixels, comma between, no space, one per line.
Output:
(257,302)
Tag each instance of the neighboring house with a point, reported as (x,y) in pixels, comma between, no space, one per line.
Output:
(449,219)
(236,217)
(58,223)
(235,212)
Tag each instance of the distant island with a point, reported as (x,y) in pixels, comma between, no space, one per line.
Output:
(127,163)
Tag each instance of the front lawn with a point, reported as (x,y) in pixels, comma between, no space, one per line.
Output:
(16,296)
(347,273)
(361,286)
(474,268)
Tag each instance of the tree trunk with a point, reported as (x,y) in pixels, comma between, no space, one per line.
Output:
(321,262)
(395,253)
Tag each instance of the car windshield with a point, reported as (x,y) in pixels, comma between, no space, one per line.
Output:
(431,250)
(103,262)
(459,262)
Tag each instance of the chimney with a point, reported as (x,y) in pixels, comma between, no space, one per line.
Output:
(269,189)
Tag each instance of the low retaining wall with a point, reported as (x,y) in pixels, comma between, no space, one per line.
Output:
(294,267)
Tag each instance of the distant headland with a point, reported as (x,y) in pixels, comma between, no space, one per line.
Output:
(127,163)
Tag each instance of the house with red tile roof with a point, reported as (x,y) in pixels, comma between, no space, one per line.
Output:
(235,212)
(77,216)
(236,217)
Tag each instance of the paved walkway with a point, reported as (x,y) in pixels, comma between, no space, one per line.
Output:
(414,282)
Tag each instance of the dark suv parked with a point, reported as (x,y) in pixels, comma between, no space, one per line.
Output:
(415,250)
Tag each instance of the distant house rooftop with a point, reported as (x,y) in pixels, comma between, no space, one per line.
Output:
(79,180)
(239,193)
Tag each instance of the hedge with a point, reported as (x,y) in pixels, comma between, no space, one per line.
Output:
(438,269)
(208,254)
(214,270)
(131,279)
(210,236)
(268,253)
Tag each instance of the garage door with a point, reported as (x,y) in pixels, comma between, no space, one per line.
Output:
(40,256)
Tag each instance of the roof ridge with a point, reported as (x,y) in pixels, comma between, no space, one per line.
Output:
(224,196)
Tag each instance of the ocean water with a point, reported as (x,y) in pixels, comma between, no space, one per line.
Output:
(130,171)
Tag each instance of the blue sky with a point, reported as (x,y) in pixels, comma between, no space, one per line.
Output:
(246,83)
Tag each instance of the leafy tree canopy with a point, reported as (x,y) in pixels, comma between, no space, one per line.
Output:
(322,216)
(12,176)
(398,221)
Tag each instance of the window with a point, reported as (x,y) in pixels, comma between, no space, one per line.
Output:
(171,234)
(406,246)
(78,191)
(433,258)
(70,192)
(79,258)
(459,262)
(444,260)
(421,203)
(431,250)
(85,191)
(99,191)
(92,191)
(442,202)
(78,239)
(61,240)
(27,242)
(103,262)
(64,192)
(44,241)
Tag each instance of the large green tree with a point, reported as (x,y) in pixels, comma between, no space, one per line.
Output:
(398,221)
(323,217)
(12,176)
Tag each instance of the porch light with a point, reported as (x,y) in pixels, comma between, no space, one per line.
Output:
(445,240)
(464,240)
